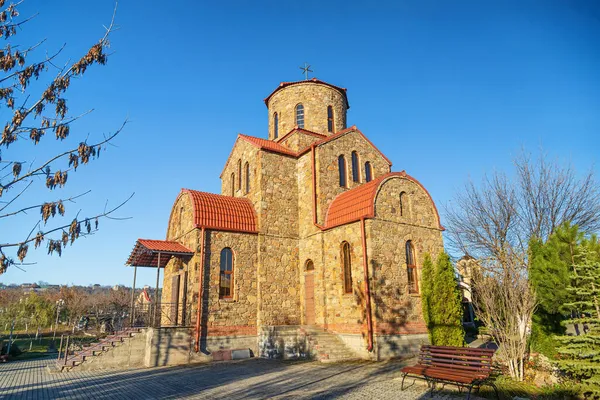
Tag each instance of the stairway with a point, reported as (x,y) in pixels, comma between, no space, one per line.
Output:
(73,359)
(325,346)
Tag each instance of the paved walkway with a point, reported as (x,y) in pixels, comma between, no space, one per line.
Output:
(249,379)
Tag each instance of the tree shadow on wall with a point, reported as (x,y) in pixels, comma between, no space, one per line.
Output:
(390,311)
(205,303)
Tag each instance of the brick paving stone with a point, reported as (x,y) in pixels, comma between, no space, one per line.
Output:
(248,379)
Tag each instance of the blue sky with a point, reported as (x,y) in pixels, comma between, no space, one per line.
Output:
(447,90)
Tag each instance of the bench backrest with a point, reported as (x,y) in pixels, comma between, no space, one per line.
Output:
(459,358)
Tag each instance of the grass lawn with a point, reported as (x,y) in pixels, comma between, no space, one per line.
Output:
(39,348)
(509,388)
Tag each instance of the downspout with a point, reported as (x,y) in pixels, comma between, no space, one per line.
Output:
(314,188)
(200,291)
(367,290)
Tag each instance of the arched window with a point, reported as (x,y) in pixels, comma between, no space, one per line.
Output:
(226,275)
(300,116)
(403,204)
(342,170)
(233,184)
(275,125)
(247,168)
(368,173)
(309,266)
(239,184)
(355,167)
(329,119)
(411,268)
(347,267)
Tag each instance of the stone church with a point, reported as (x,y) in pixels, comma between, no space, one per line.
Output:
(311,230)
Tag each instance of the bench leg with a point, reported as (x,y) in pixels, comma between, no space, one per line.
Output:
(432,388)
(470,389)
(403,378)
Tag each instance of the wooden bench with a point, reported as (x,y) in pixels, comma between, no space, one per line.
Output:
(464,367)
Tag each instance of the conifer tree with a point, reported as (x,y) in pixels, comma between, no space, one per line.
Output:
(442,306)
(580,353)
(427,280)
(550,264)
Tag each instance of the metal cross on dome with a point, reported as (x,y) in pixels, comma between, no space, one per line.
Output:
(305,70)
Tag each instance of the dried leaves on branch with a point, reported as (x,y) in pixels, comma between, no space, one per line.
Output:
(32,117)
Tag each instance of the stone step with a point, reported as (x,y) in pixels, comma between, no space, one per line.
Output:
(326,346)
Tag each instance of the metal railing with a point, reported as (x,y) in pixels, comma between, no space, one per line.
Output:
(162,314)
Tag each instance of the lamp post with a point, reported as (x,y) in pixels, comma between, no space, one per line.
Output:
(59,304)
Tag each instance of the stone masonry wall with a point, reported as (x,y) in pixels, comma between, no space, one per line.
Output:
(244,152)
(278,196)
(315,98)
(344,312)
(181,230)
(397,311)
(299,140)
(278,281)
(236,315)
(327,164)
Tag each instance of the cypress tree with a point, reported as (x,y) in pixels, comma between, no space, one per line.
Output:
(580,353)
(442,305)
(427,275)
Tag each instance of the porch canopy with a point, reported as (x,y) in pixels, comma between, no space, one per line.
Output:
(156,253)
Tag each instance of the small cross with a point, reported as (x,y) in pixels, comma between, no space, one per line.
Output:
(305,70)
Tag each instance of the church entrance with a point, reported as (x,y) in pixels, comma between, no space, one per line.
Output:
(309,294)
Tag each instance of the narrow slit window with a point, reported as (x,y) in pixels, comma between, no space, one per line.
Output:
(347,267)
(368,173)
(355,167)
(411,268)
(239,183)
(247,168)
(329,119)
(403,204)
(310,266)
(275,125)
(233,184)
(226,275)
(342,170)
(300,116)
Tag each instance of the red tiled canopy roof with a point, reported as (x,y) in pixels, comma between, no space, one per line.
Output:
(313,80)
(359,202)
(222,213)
(145,253)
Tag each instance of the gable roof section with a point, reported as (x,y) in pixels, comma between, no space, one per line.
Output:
(222,213)
(268,145)
(358,203)
(341,133)
(275,147)
(301,130)
(313,80)
(261,144)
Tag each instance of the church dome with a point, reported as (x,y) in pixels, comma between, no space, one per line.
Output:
(310,104)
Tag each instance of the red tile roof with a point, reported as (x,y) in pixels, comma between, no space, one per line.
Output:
(222,213)
(313,80)
(145,252)
(268,145)
(359,202)
(301,130)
